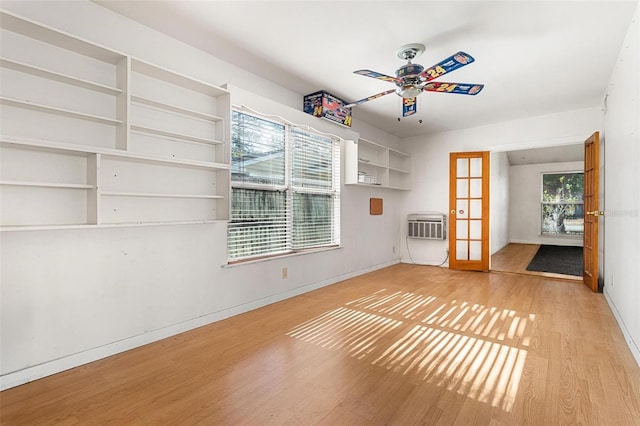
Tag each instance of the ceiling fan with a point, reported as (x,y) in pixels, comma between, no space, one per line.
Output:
(412,79)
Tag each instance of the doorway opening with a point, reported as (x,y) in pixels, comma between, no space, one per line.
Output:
(516,258)
(524,214)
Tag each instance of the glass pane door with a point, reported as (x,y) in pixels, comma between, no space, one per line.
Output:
(469,212)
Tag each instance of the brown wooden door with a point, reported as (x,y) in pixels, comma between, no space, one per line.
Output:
(592,212)
(469,211)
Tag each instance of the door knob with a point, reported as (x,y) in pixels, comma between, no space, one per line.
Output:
(453,211)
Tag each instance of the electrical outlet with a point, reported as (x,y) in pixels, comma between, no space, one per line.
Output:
(611,281)
(393,249)
(285,273)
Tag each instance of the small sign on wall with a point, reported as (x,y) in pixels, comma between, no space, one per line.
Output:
(375,206)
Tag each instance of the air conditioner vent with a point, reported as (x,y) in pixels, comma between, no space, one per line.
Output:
(427,226)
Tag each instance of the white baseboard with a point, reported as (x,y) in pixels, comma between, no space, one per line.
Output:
(419,263)
(29,374)
(635,351)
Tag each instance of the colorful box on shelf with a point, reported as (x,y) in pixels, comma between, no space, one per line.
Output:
(325,105)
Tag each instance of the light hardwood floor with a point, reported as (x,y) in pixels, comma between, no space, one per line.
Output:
(403,345)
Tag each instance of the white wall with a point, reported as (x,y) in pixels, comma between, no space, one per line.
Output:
(500,198)
(524,208)
(621,145)
(73,296)
(431,166)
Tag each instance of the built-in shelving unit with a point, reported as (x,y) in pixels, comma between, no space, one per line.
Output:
(44,73)
(371,164)
(91,137)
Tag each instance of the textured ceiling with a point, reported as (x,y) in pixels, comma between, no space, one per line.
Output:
(535,58)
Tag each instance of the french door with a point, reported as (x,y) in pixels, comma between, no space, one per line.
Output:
(469,211)
(592,212)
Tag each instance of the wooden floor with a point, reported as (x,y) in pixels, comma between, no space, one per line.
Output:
(515,258)
(403,345)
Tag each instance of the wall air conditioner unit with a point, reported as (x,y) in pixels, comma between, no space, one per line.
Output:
(429,226)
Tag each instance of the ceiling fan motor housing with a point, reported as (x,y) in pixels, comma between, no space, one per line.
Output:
(412,83)
(409,70)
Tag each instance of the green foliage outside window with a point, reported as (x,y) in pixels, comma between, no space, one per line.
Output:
(562,203)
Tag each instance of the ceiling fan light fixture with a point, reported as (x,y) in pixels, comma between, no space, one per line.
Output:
(409,91)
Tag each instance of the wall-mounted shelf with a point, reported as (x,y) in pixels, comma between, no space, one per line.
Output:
(83,150)
(58,111)
(177,79)
(95,138)
(175,135)
(160,195)
(63,78)
(29,28)
(371,164)
(111,225)
(46,184)
(173,108)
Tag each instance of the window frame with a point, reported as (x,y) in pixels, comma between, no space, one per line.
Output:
(290,190)
(543,203)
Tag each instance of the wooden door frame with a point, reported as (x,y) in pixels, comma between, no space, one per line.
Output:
(483,263)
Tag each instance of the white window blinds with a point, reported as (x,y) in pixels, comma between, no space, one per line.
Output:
(257,151)
(285,188)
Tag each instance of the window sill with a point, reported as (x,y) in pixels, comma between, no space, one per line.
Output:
(280,256)
(563,236)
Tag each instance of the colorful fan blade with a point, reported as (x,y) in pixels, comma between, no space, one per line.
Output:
(459,88)
(452,63)
(370,98)
(377,75)
(409,106)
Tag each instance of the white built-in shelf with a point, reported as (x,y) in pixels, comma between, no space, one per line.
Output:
(56,76)
(163,157)
(160,195)
(58,111)
(46,184)
(168,107)
(175,135)
(108,153)
(175,78)
(62,227)
(393,169)
(371,164)
(400,153)
(27,27)
(144,158)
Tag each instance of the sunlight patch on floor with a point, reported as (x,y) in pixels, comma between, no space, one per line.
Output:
(472,349)
(346,328)
(479,369)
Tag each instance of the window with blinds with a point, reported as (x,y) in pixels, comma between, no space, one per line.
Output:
(285,184)
(562,203)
